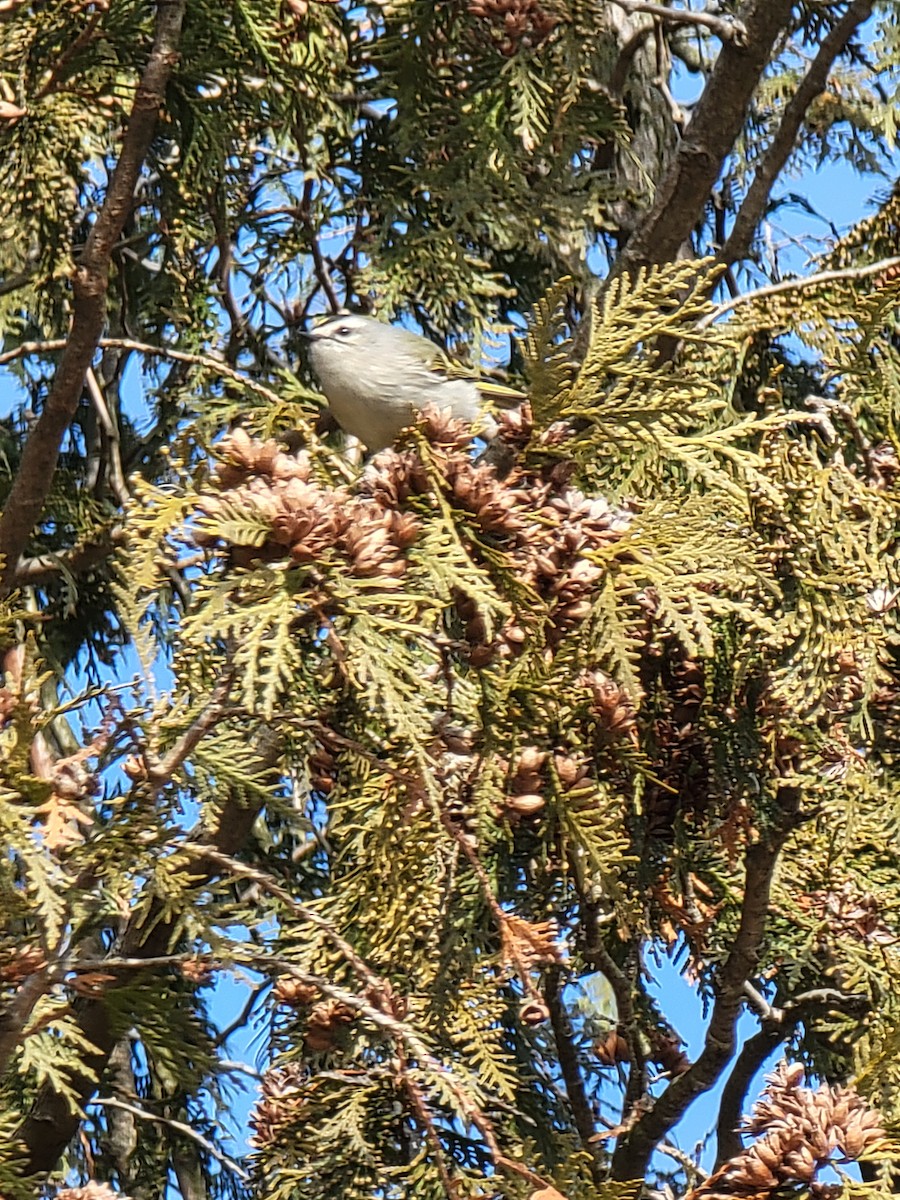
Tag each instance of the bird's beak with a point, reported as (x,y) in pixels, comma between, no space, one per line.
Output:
(305,334)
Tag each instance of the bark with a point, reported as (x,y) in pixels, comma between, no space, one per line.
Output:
(811,85)
(709,138)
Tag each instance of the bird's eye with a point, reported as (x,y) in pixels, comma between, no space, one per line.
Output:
(344,331)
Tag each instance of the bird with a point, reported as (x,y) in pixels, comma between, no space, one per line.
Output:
(376,377)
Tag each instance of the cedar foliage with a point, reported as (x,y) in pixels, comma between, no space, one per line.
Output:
(437,759)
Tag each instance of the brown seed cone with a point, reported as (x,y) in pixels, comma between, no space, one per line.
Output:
(325,1024)
(293,992)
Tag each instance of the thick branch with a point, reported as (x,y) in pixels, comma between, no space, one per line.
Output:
(754,204)
(718,119)
(754,1053)
(777,1025)
(89,286)
(634,1150)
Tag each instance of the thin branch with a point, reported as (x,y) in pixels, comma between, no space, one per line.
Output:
(182,356)
(160,771)
(722,27)
(90,283)
(716,122)
(465,842)
(571,1072)
(43,568)
(274,888)
(124,964)
(829,404)
(110,427)
(426,1121)
(622,986)
(844,275)
(695,1173)
(754,203)
(323,274)
(180,1127)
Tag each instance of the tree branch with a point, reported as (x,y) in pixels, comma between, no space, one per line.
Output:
(633,1152)
(754,204)
(845,274)
(716,122)
(81,557)
(571,1072)
(90,282)
(160,771)
(623,988)
(183,356)
(754,1053)
(722,27)
(180,1127)
(776,1026)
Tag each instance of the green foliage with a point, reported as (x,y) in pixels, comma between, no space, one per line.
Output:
(431,758)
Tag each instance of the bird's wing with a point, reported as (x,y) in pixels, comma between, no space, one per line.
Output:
(421,350)
(426,354)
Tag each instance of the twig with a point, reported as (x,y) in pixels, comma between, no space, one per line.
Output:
(90,283)
(180,1127)
(844,275)
(69,53)
(811,85)
(323,274)
(274,888)
(695,1173)
(722,27)
(464,841)
(221,1038)
(823,404)
(160,771)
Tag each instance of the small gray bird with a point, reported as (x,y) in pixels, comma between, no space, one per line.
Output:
(376,377)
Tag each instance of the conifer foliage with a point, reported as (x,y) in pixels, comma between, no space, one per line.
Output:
(444,762)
